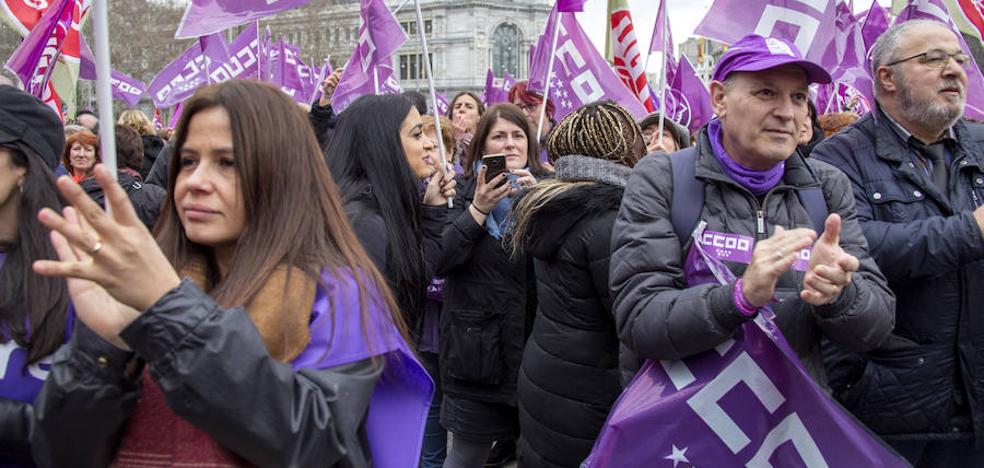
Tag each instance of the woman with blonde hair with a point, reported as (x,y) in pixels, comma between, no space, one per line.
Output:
(152,143)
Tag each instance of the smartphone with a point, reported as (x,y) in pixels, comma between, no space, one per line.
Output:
(495,164)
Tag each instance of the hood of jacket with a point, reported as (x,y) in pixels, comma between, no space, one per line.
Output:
(552,222)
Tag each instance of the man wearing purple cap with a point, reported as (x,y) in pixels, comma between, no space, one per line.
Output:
(763,204)
(917,173)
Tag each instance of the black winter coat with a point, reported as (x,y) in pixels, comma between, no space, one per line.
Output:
(147,199)
(932,252)
(569,377)
(152,145)
(207,360)
(370,229)
(489,305)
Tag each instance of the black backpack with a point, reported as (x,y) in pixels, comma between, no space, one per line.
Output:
(688,197)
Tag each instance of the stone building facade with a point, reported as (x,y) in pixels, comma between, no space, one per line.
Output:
(465,37)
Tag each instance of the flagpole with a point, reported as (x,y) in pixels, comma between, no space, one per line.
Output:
(546,86)
(104,90)
(398,7)
(259,53)
(433,93)
(375,80)
(662,81)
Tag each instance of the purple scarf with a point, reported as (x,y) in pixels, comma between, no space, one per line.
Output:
(758,182)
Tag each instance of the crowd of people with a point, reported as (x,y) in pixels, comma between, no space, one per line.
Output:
(270,286)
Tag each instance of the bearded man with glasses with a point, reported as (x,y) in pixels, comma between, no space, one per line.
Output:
(917,170)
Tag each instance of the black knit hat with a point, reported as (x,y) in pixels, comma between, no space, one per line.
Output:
(26,120)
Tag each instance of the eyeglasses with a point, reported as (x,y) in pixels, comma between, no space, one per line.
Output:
(526,107)
(937,59)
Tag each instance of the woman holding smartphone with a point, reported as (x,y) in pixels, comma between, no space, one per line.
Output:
(277,349)
(489,298)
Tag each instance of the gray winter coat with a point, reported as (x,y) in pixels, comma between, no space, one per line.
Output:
(659,317)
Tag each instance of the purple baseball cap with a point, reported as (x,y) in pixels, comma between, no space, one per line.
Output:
(756,53)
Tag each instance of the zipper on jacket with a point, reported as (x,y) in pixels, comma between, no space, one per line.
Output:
(760,222)
(977,202)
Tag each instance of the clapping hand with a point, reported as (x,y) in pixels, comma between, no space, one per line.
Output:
(113,264)
(830,266)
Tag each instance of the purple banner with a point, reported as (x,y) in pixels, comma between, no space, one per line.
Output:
(689,101)
(496,93)
(807,24)
(370,70)
(875,23)
(126,88)
(442,105)
(936,11)
(657,43)
(37,54)
(570,5)
(847,62)
(289,72)
(204,17)
(747,402)
(180,78)
(580,74)
(244,60)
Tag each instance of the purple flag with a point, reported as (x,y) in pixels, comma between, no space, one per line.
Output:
(496,93)
(286,73)
(204,17)
(127,88)
(326,69)
(175,116)
(656,45)
(87,63)
(875,23)
(936,11)
(847,62)
(180,78)
(370,68)
(569,6)
(807,24)
(35,57)
(689,101)
(442,105)
(839,97)
(580,74)
(244,59)
(747,402)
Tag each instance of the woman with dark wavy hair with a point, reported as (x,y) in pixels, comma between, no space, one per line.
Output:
(34,313)
(282,346)
(378,156)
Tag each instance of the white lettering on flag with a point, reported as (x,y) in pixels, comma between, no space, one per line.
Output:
(705,402)
(792,430)
(773,15)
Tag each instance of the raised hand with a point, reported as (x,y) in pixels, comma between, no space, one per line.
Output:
(441,186)
(328,86)
(113,253)
(771,259)
(487,195)
(830,267)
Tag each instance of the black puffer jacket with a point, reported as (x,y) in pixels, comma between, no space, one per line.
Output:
(147,199)
(659,317)
(489,305)
(569,377)
(932,252)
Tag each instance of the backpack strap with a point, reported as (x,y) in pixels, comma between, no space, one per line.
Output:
(688,193)
(816,207)
(688,197)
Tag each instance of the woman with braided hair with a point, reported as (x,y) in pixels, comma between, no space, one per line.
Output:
(569,376)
